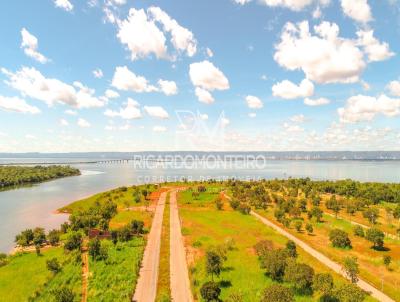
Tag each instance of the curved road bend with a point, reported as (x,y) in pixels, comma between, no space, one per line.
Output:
(377,294)
(180,284)
(146,288)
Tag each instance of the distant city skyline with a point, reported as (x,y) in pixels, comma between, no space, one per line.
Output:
(116,75)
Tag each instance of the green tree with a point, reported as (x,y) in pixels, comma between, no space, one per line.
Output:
(210,291)
(323,283)
(300,274)
(339,238)
(371,214)
(359,231)
(25,237)
(274,262)
(298,224)
(53,265)
(316,212)
(349,293)
(376,236)
(63,294)
(213,263)
(387,260)
(39,236)
(94,248)
(309,228)
(74,241)
(53,237)
(350,267)
(291,249)
(277,293)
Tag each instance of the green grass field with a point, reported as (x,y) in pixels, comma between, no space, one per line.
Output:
(205,226)
(115,278)
(26,274)
(163,289)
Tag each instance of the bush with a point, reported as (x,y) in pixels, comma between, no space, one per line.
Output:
(350,267)
(3,259)
(339,238)
(210,291)
(277,293)
(359,231)
(274,263)
(349,293)
(309,228)
(376,236)
(74,241)
(234,203)
(291,249)
(323,283)
(371,214)
(63,294)
(213,263)
(244,208)
(263,247)
(53,237)
(219,203)
(53,265)
(298,224)
(301,275)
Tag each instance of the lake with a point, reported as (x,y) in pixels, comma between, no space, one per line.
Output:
(33,206)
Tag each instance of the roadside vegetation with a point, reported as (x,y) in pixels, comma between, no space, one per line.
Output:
(13,176)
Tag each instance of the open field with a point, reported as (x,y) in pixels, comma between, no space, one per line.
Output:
(204,226)
(114,279)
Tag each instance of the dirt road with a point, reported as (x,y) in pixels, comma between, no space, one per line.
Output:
(377,294)
(146,288)
(180,284)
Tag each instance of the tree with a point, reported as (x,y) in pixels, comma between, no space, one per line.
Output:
(94,248)
(277,293)
(210,291)
(24,238)
(371,214)
(339,238)
(39,236)
(350,267)
(144,193)
(64,294)
(359,231)
(298,224)
(376,236)
(137,226)
(349,293)
(323,283)
(219,203)
(234,203)
(53,265)
(316,201)
(300,274)
(263,247)
(387,260)
(336,209)
(291,249)
(213,263)
(309,228)
(53,237)
(73,241)
(274,263)
(396,212)
(316,212)
(244,208)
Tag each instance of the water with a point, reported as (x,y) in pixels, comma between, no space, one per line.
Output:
(33,206)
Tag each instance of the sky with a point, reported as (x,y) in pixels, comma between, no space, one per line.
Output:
(233,75)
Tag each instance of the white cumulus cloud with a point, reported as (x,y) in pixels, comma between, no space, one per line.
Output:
(375,50)
(316,102)
(30,82)
(394,88)
(111,94)
(288,90)
(15,104)
(156,111)
(254,102)
(64,4)
(358,10)
(30,46)
(130,111)
(168,87)
(324,57)
(124,79)
(83,123)
(204,96)
(364,108)
(205,75)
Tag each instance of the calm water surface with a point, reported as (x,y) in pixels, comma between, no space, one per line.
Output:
(35,206)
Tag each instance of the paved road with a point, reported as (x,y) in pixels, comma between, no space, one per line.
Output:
(380,296)
(146,288)
(180,284)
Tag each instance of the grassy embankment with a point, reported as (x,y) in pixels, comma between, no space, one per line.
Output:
(370,260)
(26,274)
(204,226)
(163,289)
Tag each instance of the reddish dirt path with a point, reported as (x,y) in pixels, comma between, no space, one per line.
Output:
(180,284)
(146,288)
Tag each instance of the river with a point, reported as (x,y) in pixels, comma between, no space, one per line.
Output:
(33,206)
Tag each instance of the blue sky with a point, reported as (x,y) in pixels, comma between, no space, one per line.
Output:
(113,75)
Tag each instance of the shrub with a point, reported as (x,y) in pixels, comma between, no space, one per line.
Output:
(234,203)
(274,263)
(359,231)
(298,224)
(263,247)
(309,228)
(387,260)
(376,236)
(301,275)
(219,203)
(210,291)
(371,214)
(291,249)
(323,283)
(63,294)
(53,237)
(339,238)
(244,208)
(53,265)
(350,267)
(73,241)
(277,293)
(349,293)
(213,263)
